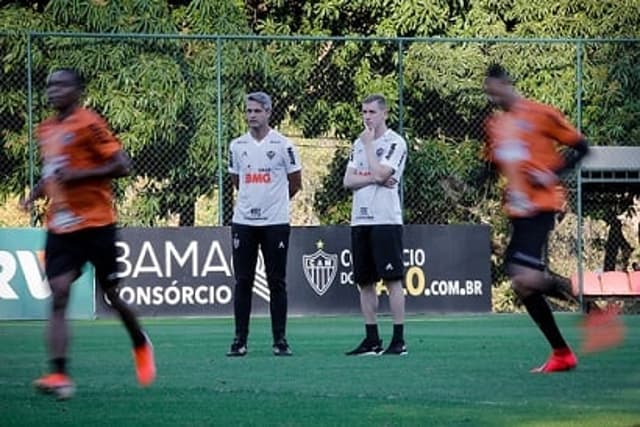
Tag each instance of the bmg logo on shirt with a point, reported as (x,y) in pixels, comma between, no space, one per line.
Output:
(257,178)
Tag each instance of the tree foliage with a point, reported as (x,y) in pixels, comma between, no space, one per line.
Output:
(158,94)
(161,95)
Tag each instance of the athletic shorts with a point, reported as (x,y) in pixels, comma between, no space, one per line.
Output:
(376,252)
(529,239)
(69,252)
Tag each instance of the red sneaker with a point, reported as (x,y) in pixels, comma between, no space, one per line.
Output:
(58,384)
(559,361)
(601,330)
(145,363)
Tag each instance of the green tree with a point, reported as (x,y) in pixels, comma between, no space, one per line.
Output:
(161,95)
(158,94)
(443,102)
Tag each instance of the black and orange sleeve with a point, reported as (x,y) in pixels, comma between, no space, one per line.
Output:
(560,129)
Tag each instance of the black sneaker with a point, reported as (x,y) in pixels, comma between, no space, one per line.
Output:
(396,348)
(238,349)
(281,348)
(367,348)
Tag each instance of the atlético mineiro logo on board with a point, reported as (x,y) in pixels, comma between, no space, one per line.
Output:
(320,269)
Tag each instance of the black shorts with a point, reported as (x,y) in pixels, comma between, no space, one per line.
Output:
(376,252)
(529,239)
(69,252)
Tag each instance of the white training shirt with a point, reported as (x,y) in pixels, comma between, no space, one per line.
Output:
(263,187)
(376,204)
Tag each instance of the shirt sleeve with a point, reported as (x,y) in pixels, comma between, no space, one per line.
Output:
(292,158)
(394,154)
(351,162)
(103,141)
(561,130)
(233,160)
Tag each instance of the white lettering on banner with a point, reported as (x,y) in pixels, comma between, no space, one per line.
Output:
(27,260)
(346,277)
(345,258)
(414,257)
(452,287)
(174,295)
(172,253)
(37,285)
(124,259)
(7,272)
(147,260)
(215,251)
(140,268)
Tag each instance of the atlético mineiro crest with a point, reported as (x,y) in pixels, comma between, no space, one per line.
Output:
(320,269)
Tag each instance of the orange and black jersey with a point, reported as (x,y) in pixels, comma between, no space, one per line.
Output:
(524,140)
(81,140)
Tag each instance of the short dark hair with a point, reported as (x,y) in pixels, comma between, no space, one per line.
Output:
(77,76)
(261,98)
(497,71)
(376,97)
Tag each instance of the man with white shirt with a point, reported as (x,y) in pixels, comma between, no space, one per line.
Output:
(265,169)
(374,171)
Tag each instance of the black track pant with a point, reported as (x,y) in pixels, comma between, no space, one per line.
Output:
(273,241)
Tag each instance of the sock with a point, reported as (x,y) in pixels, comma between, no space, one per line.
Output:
(139,339)
(372,332)
(59,365)
(541,314)
(398,333)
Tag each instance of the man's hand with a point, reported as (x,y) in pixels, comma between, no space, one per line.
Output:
(367,136)
(390,183)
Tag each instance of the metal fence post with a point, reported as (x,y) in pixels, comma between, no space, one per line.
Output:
(579,74)
(30,125)
(219,131)
(401,106)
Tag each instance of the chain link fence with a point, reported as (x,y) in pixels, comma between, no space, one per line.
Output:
(176,102)
(611,198)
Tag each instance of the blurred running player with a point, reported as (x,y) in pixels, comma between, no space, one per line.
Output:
(522,143)
(80,158)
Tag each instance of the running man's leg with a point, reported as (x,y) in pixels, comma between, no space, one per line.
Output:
(103,255)
(527,271)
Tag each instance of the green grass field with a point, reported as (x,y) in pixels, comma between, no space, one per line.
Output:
(460,371)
